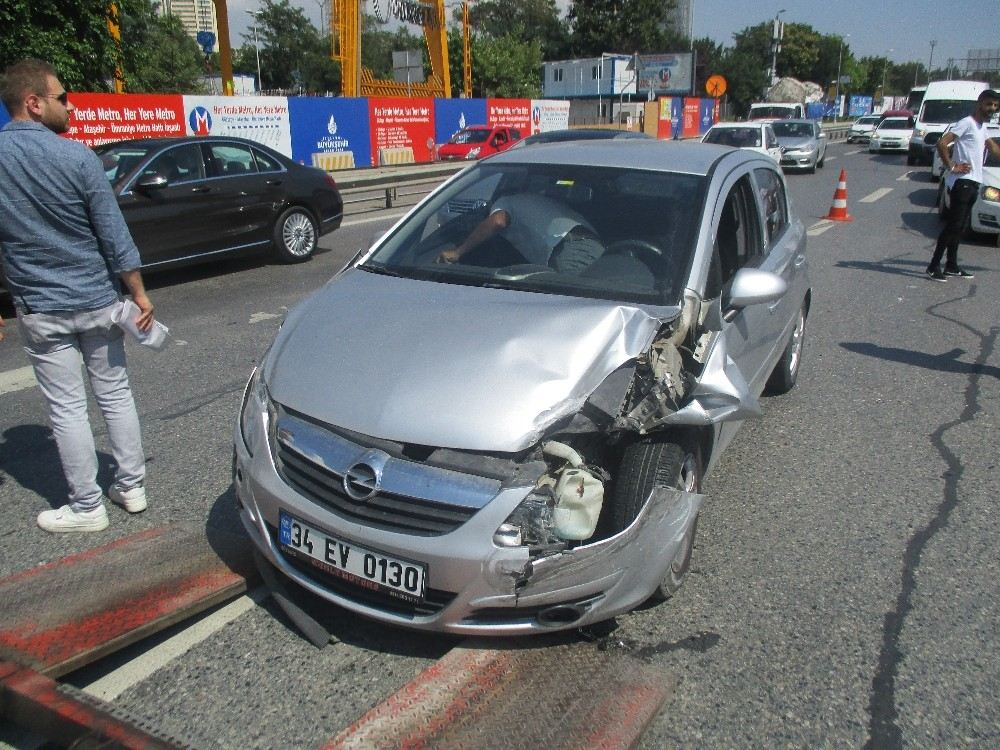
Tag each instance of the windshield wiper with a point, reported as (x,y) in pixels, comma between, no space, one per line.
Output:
(383,270)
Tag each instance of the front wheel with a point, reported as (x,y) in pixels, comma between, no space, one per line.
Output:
(786,371)
(645,466)
(295,235)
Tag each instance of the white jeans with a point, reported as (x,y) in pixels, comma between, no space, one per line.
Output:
(55,343)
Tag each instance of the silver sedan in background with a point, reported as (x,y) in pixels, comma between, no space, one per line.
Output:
(497,420)
(803,144)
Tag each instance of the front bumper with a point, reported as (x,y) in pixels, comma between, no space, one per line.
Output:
(474,587)
(899,145)
(798,160)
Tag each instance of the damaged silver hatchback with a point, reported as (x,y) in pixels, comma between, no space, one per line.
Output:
(497,420)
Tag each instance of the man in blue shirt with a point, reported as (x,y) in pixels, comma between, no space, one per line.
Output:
(65,246)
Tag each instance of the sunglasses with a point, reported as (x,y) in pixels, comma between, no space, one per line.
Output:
(62,98)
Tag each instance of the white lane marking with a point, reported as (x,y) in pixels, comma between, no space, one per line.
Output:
(116,682)
(852,153)
(257,317)
(17,380)
(819,227)
(829,158)
(905,176)
(872,197)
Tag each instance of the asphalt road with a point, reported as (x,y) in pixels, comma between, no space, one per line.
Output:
(844,587)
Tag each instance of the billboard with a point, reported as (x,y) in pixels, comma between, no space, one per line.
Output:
(692,117)
(263,119)
(671,116)
(399,123)
(665,74)
(707,114)
(514,113)
(548,114)
(860,105)
(105,118)
(451,115)
(322,127)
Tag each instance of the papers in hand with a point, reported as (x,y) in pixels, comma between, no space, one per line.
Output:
(125,316)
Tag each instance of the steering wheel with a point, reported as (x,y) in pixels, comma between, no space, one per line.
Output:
(635,246)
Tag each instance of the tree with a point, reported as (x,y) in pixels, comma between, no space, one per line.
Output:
(525,20)
(158,56)
(71,34)
(621,26)
(293,56)
(506,67)
(377,47)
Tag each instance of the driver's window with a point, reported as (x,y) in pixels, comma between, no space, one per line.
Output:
(738,238)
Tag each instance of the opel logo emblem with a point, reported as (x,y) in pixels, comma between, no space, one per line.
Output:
(361,481)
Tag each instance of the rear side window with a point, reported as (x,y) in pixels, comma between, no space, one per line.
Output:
(266,163)
(232,159)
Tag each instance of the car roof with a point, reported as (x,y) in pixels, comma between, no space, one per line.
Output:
(629,153)
(174,140)
(794,120)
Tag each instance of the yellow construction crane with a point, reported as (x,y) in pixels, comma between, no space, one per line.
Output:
(357,80)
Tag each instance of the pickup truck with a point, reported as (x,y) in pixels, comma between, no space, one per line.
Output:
(477,141)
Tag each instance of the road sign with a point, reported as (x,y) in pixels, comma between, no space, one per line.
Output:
(715,86)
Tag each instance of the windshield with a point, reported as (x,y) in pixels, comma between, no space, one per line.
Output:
(738,137)
(946,110)
(609,233)
(792,129)
(759,113)
(120,160)
(469,136)
(868,120)
(895,123)
(991,160)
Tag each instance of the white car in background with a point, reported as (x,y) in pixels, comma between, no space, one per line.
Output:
(892,134)
(753,136)
(937,167)
(863,128)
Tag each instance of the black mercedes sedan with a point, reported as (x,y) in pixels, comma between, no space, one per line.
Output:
(196,198)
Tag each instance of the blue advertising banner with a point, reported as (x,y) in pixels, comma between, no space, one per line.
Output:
(706,115)
(330,133)
(677,117)
(860,105)
(451,115)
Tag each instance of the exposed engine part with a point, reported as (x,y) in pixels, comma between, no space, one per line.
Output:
(577,492)
(661,385)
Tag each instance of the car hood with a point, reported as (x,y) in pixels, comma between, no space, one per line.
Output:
(795,142)
(446,365)
(991,176)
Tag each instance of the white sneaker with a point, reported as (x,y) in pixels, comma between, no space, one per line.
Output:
(65,519)
(133,500)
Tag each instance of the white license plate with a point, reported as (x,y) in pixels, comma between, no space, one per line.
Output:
(351,562)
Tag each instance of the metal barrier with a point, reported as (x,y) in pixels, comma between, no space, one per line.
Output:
(388,196)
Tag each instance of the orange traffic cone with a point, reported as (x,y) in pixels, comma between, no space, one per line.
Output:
(838,211)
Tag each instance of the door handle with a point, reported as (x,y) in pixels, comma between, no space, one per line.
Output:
(201,189)
(272,182)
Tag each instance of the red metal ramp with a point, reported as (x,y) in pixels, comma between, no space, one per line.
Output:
(530,694)
(60,616)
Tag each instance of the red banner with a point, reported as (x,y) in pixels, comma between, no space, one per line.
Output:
(512,113)
(105,118)
(401,123)
(691,117)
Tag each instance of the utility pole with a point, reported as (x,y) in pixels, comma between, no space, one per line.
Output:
(777,33)
(931,60)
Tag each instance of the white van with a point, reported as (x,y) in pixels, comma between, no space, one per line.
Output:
(944,102)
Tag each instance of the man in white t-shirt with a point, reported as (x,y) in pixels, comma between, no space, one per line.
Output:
(963,176)
(543,230)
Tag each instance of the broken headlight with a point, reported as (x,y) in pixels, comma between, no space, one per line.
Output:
(532,523)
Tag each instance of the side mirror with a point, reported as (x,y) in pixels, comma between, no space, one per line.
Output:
(151,182)
(751,286)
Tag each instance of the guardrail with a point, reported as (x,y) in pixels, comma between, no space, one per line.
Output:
(387,196)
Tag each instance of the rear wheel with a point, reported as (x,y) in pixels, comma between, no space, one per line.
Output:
(645,466)
(295,235)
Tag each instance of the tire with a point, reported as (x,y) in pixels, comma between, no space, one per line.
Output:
(295,235)
(822,161)
(910,160)
(646,465)
(786,371)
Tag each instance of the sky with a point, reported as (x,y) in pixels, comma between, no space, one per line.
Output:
(901,30)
